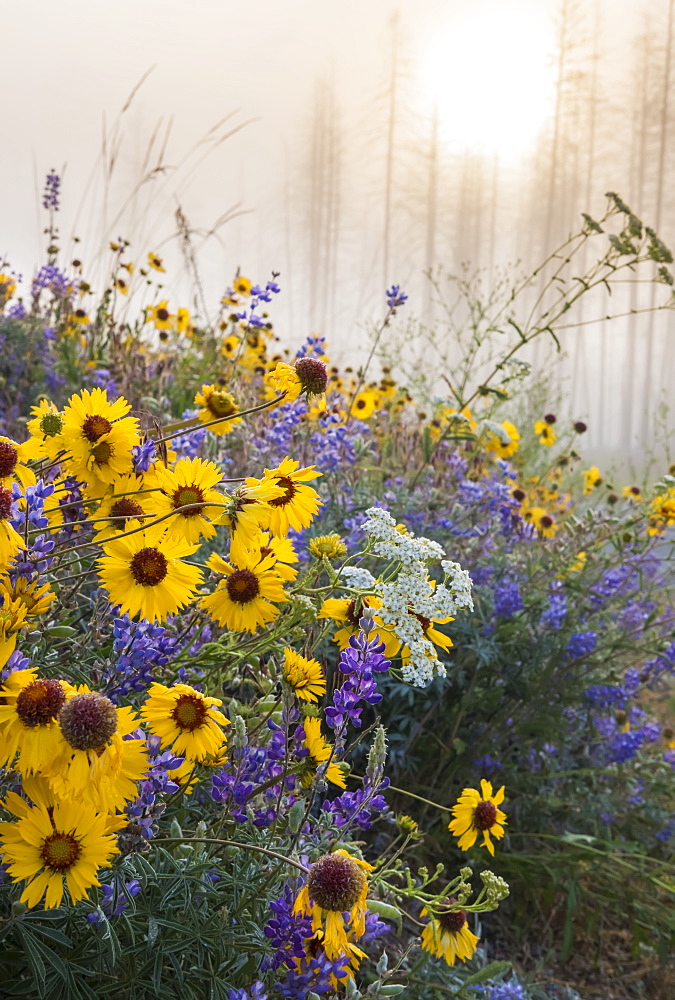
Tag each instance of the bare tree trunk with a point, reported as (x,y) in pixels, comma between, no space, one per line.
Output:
(431,215)
(391,131)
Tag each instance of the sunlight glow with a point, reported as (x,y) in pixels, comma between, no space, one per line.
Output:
(491,76)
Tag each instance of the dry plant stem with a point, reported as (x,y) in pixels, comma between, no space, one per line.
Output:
(197,424)
(385,323)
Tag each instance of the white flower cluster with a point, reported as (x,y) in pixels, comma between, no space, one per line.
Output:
(412,597)
(358,577)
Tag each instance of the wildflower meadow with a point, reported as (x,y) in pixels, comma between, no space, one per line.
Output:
(325,680)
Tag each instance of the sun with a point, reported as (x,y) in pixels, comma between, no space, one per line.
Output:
(490,75)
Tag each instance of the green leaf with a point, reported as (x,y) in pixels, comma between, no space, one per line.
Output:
(493,969)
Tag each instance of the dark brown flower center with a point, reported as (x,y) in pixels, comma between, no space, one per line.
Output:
(126,508)
(189,712)
(452,920)
(5,504)
(88,720)
(485,815)
(60,851)
(221,404)
(162,315)
(186,495)
(336,882)
(8,459)
(95,426)
(290,489)
(80,313)
(312,374)
(354,610)
(102,452)
(546,521)
(424,622)
(40,702)
(242,586)
(149,567)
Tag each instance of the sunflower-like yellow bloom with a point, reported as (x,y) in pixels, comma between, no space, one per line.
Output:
(12,618)
(45,431)
(156,262)
(319,752)
(545,433)
(36,598)
(304,676)
(242,285)
(217,404)
(144,574)
(632,493)
(245,598)
(7,288)
(330,546)
(543,521)
(57,847)
(447,934)
(160,316)
(190,484)
(12,468)
(439,639)
(298,504)
(592,479)
(478,812)
(662,513)
(336,884)
(349,611)
(508,445)
(128,502)
(99,437)
(285,378)
(186,720)
(281,550)
(94,762)
(29,711)
(249,511)
(365,403)
(10,540)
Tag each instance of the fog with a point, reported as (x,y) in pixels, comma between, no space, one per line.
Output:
(364,142)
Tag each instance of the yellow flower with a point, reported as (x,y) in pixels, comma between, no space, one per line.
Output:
(10,540)
(543,522)
(242,286)
(319,752)
(365,403)
(36,598)
(45,429)
(330,546)
(477,812)
(242,601)
(160,316)
(579,563)
(545,432)
(95,761)
(229,346)
(662,514)
(298,504)
(186,720)
(12,469)
(439,639)
(348,610)
(121,286)
(126,502)
(217,404)
(188,485)
(99,436)
(592,479)
(155,262)
(64,845)
(285,378)
(29,709)
(336,884)
(183,322)
(281,550)
(7,288)
(304,676)
(447,934)
(506,446)
(144,574)
(79,318)
(632,492)
(247,512)
(12,618)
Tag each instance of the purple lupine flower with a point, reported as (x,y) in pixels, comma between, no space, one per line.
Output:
(556,612)
(143,455)
(255,992)
(581,644)
(50,196)
(395,297)
(115,899)
(507,599)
